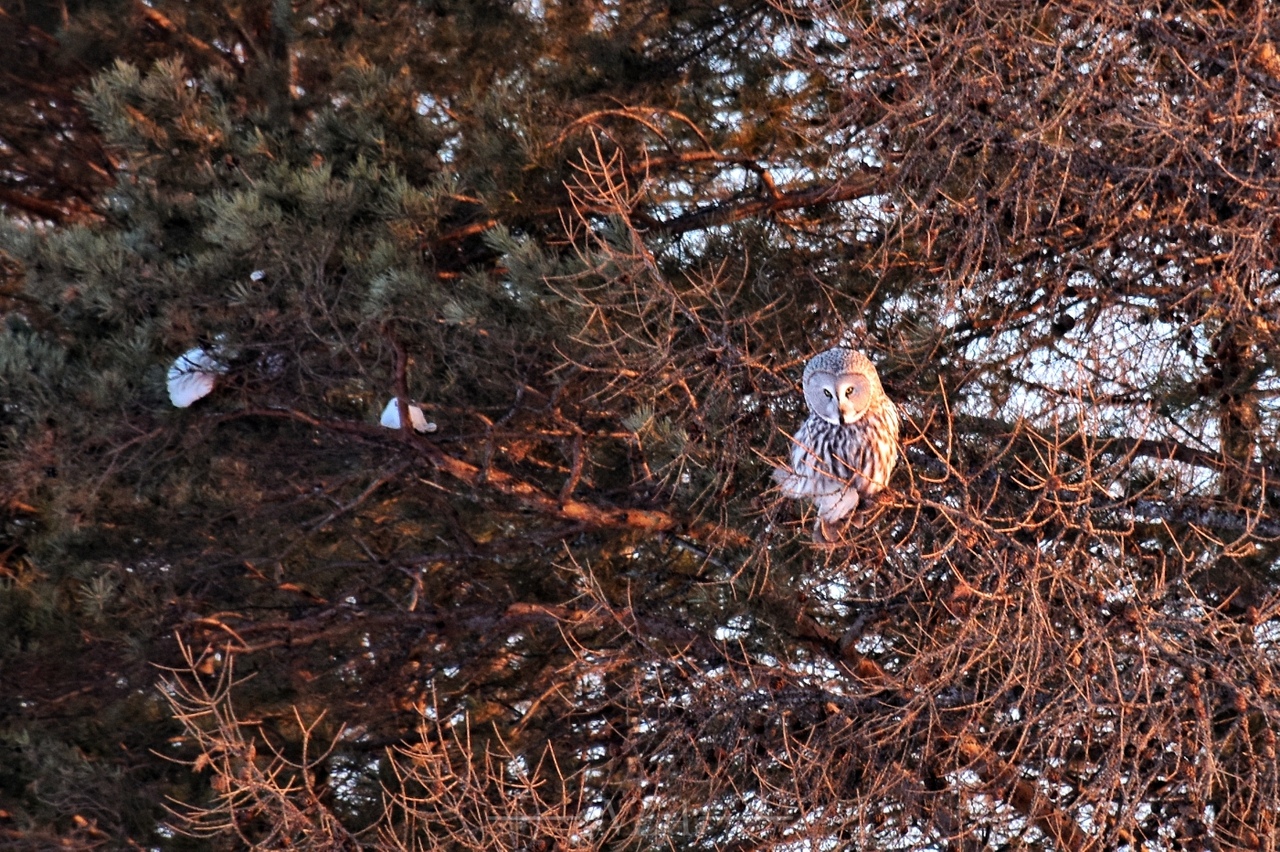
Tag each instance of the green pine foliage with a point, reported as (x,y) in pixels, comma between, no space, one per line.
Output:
(412,198)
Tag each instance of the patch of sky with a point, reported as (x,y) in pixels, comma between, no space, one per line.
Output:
(873,643)
(737,628)
(835,595)
(859,150)
(590,685)
(790,83)
(1009,828)
(1267,635)
(532,9)
(427,104)
(517,768)
(1120,351)
(605,19)
(449,148)
(350,779)
(869,215)
(808,829)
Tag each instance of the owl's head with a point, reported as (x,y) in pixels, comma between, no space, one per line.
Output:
(840,385)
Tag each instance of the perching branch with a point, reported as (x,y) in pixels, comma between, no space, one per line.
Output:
(579,511)
(735,211)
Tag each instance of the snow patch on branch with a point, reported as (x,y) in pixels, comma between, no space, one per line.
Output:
(193,375)
(391,417)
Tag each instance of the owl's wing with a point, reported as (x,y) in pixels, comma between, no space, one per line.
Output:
(795,485)
(810,472)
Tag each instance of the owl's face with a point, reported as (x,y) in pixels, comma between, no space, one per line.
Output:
(840,385)
(838,399)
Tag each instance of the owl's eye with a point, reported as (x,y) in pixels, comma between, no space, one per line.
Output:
(848,392)
(827,392)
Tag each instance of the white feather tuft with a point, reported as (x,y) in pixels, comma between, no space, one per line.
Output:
(391,417)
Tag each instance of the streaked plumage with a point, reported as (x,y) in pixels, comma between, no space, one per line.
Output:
(844,453)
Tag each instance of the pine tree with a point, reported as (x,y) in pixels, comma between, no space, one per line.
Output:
(594,244)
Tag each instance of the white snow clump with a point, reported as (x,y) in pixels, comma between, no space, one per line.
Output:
(391,417)
(193,375)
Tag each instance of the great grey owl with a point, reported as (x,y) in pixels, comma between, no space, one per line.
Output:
(843,454)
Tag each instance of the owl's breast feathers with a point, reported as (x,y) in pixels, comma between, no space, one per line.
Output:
(827,459)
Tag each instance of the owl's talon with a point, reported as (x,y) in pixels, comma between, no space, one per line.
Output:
(827,534)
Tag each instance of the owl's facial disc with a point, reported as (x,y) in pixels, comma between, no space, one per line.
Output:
(852,396)
(838,399)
